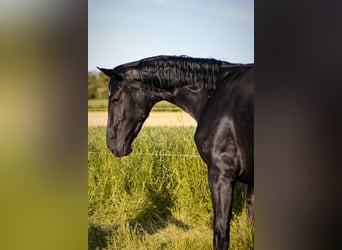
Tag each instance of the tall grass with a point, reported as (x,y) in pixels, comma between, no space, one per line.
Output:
(156,198)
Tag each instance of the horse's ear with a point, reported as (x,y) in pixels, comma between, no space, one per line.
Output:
(111,73)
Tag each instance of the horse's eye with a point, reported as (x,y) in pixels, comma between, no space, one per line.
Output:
(116,99)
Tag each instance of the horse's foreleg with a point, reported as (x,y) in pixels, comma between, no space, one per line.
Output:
(221,187)
(219,151)
(250,201)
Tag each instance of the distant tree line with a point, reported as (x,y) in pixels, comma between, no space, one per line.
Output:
(97,85)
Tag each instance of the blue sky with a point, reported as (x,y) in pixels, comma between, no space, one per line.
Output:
(121,31)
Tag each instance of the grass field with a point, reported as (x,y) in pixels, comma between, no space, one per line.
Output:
(156,198)
(102,105)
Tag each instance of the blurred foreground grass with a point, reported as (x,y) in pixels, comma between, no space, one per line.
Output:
(43,138)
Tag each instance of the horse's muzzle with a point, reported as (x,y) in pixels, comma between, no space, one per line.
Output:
(121,151)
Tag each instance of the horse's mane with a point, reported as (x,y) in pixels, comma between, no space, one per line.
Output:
(174,71)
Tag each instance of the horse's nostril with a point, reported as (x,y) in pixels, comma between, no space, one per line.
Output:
(110,148)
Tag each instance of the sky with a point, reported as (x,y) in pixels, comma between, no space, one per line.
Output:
(121,31)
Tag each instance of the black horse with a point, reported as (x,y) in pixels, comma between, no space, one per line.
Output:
(217,94)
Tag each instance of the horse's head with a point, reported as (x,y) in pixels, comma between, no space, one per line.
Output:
(128,108)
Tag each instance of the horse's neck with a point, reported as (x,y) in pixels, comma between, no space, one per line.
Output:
(191,100)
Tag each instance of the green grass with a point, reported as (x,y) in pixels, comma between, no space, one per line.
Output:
(102,105)
(152,200)
(97,104)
